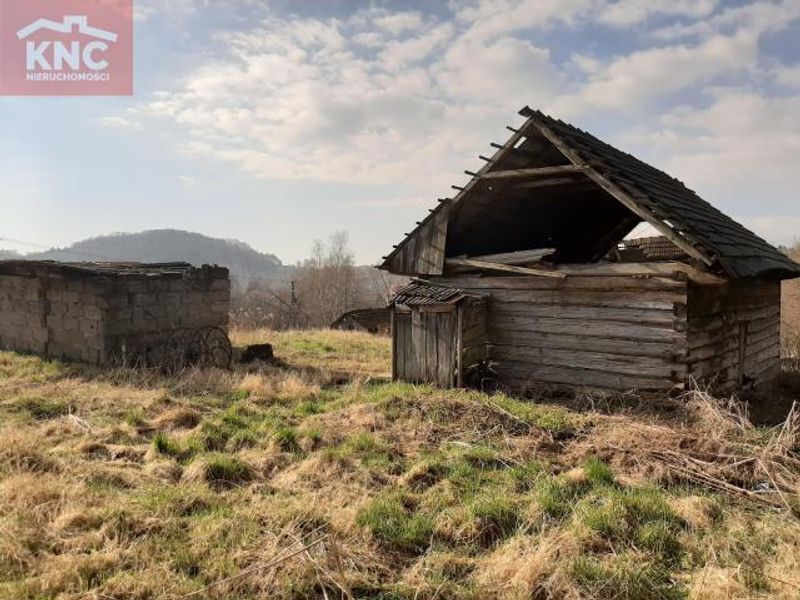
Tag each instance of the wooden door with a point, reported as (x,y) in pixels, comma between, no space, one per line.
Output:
(425,345)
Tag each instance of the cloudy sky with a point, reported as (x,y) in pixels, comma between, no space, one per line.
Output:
(276,122)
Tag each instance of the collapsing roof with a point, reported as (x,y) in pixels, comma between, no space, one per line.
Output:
(553,185)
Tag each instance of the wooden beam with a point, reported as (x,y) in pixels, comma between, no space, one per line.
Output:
(490,266)
(622,196)
(515,258)
(533,173)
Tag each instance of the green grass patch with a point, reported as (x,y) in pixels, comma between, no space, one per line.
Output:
(287,439)
(224,470)
(393,519)
(558,421)
(634,517)
(166,445)
(496,516)
(42,409)
(370,450)
(556,496)
(625,577)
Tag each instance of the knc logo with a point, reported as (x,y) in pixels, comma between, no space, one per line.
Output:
(66,47)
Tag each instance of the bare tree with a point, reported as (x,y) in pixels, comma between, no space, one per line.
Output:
(327,282)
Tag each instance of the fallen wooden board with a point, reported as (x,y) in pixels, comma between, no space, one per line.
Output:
(490,266)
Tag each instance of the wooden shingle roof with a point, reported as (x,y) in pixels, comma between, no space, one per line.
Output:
(739,251)
(654,248)
(553,185)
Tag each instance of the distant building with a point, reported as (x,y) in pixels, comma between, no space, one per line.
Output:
(371,320)
(523,275)
(104,313)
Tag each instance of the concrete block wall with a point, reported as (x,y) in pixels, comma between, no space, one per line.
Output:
(22,307)
(75,318)
(52,312)
(142,308)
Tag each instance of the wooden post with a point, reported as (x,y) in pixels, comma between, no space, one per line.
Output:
(393,329)
(460,346)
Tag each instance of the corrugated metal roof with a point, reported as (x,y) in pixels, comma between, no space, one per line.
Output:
(422,294)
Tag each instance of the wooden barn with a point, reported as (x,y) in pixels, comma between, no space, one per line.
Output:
(526,273)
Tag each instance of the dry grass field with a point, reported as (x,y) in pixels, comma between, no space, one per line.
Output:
(321,479)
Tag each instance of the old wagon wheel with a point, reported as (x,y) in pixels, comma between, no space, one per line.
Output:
(218,349)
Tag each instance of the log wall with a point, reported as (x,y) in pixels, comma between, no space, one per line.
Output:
(588,330)
(734,333)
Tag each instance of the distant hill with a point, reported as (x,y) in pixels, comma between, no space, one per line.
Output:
(171,245)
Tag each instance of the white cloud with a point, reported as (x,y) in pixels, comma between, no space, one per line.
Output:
(407,100)
(740,137)
(299,99)
(625,13)
(396,23)
(756,17)
(115,122)
(630,81)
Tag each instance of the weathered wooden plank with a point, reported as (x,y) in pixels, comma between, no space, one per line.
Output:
(698,339)
(490,266)
(590,329)
(602,361)
(633,299)
(517,374)
(724,319)
(393,331)
(657,318)
(657,349)
(514,258)
(730,342)
(570,283)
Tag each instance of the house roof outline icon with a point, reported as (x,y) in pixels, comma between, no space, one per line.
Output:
(82,21)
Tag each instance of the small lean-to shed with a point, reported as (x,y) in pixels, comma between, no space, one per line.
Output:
(438,334)
(538,234)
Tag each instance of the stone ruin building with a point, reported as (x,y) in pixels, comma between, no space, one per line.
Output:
(166,315)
